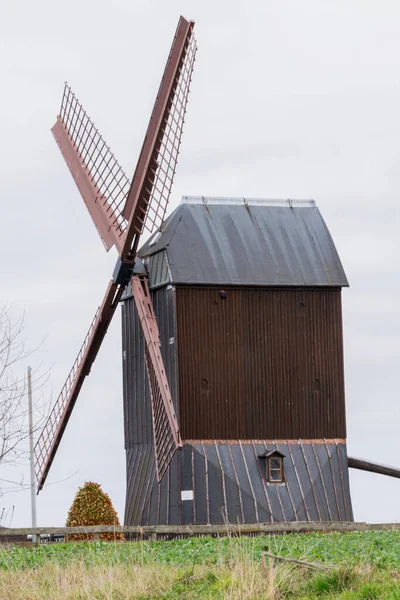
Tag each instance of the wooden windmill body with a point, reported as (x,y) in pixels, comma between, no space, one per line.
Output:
(247,295)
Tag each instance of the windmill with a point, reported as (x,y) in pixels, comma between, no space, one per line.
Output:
(233,374)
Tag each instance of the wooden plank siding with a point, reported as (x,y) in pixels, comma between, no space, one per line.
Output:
(261,363)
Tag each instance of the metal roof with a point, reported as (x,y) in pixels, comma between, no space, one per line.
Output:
(243,241)
(229,484)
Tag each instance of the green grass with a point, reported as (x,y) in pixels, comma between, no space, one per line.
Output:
(376,548)
(362,566)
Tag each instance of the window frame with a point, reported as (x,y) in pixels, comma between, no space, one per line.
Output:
(278,470)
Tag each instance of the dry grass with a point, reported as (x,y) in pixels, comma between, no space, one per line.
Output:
(77,582)
(241,580)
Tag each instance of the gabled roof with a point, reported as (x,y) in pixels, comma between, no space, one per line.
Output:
(228,241)
(272,453)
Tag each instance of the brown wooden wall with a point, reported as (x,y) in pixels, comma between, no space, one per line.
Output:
(260,364)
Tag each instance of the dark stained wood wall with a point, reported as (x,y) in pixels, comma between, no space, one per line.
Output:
(260,364)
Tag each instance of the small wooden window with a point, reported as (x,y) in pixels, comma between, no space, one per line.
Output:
(275,469)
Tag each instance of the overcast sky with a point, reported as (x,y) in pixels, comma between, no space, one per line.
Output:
(289,100)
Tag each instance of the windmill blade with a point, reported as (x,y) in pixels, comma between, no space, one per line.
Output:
(165,424)
(50,437)
(150,190)
(100,179)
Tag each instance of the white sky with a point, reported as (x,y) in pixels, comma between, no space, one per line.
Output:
(289,100)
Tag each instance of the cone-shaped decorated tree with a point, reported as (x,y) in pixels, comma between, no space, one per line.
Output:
(92,506)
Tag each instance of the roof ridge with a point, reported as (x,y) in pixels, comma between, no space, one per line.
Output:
(243,201)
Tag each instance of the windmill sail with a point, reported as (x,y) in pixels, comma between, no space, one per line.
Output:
(149,194)
(100,179)
(53,430)
(165,424)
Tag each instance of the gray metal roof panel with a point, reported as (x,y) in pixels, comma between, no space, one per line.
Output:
(243,241)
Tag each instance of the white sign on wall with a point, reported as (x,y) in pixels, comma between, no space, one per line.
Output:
(187,495)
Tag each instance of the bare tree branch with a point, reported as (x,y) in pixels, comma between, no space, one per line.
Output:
(14,426)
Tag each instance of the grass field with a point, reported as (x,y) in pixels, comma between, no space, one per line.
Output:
(357,566)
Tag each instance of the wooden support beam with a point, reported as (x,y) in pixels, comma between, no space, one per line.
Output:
(365,465)
(153,531)
(228,529)
(296,561)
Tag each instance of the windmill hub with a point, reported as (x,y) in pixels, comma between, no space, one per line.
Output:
(123,271)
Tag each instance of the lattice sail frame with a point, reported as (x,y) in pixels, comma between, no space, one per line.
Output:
(165,444)
(51,434)
(152,182)
(87,154)
(168,150)
(49,431)
(165,424)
